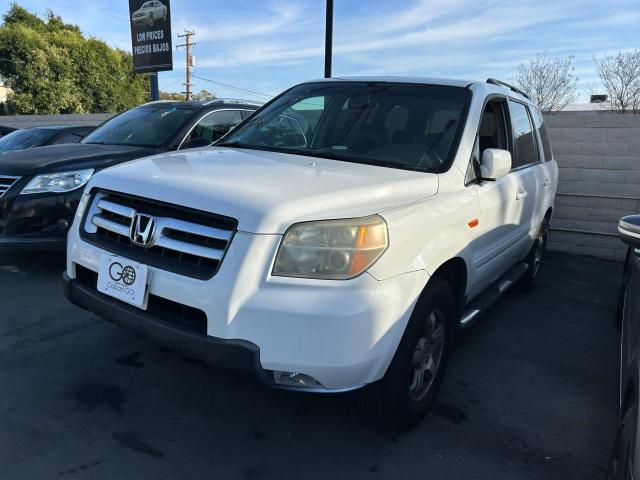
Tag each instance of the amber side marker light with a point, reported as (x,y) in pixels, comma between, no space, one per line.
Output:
(371,239)
(473,223)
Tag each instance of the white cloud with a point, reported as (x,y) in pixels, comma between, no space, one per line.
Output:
(435,26)
(269,44)
(279,17)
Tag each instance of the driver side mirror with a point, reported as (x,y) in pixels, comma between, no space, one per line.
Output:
(196,143)
(495,163)
(629,230)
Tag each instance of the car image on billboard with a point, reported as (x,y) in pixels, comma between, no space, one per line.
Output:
(149,13)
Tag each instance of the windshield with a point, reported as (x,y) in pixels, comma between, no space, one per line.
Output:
(149,126)
(408,126)
(22,139)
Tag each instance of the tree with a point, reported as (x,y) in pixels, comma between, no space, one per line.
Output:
(204,96)
(620,75)
(52,68)
(171,96)
(549,81)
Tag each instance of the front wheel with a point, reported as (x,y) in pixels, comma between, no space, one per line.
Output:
(404,395)
(150,20)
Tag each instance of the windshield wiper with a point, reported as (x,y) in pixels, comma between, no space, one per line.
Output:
(231,144)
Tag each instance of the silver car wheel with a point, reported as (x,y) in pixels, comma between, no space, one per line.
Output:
(427,355)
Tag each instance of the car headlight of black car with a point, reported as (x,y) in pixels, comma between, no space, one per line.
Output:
(59,182)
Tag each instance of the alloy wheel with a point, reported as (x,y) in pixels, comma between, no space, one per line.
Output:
(427,355)
(539,251)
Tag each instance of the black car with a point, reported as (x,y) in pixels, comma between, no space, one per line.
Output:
(41,136)
(4,130)
(40,188)
(625,459)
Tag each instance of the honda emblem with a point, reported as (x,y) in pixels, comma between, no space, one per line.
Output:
(142,230)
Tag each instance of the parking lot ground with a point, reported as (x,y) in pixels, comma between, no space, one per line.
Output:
(531,393)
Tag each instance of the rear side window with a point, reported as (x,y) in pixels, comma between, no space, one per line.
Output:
(542,133)
(523,137)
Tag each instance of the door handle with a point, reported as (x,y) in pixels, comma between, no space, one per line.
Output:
(521,194)
(547,182)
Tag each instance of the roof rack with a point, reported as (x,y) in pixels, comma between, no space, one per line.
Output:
(495,81)
(235,100)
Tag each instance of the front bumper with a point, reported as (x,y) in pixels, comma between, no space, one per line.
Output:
(140,19)
(237,355)
(342,333)
(36,220)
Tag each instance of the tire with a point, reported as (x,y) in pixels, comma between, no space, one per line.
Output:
(150,20)
(621,458)
(534,259)
(399,400)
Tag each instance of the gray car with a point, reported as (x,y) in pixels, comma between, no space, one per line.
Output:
(625,458)
(40,136)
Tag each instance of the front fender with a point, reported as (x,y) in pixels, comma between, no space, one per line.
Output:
(427,233)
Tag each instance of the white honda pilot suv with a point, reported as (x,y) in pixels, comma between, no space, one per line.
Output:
(335,240)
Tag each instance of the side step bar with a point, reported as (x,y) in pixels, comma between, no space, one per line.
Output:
(486,299)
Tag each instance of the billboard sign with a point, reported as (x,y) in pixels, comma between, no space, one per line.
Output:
(151,35)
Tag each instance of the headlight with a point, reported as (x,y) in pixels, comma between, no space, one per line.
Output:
(58,182)
(331,249)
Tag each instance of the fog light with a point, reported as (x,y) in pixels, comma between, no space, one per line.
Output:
(294,379)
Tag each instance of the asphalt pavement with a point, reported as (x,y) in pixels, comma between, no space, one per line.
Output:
(531,393)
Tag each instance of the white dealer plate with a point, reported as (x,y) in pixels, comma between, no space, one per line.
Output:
(123,279)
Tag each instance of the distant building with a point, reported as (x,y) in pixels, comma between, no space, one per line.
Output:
(4,92)
(4,96)
(596,102)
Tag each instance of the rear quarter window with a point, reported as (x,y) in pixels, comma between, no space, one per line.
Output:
(538,120)
(524,139)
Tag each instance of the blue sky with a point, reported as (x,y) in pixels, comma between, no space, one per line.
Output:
(267,45)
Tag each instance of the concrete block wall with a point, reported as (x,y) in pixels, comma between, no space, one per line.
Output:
(598,155)
(26,121)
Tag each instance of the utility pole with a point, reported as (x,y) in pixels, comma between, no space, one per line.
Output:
(187,46)
(328,39)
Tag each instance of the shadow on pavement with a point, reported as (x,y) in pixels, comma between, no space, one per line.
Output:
(37,263)
(530,393)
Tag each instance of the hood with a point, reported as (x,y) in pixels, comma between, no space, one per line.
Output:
(267,191)
(58,158)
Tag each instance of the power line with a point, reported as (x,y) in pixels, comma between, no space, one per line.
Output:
(233,87)
(173,83)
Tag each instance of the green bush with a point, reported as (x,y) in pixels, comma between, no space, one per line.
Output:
(53,68)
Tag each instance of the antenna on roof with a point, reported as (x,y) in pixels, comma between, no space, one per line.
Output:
(495,81)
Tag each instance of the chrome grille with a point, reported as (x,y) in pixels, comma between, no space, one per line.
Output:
(6,183)
(185,241)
